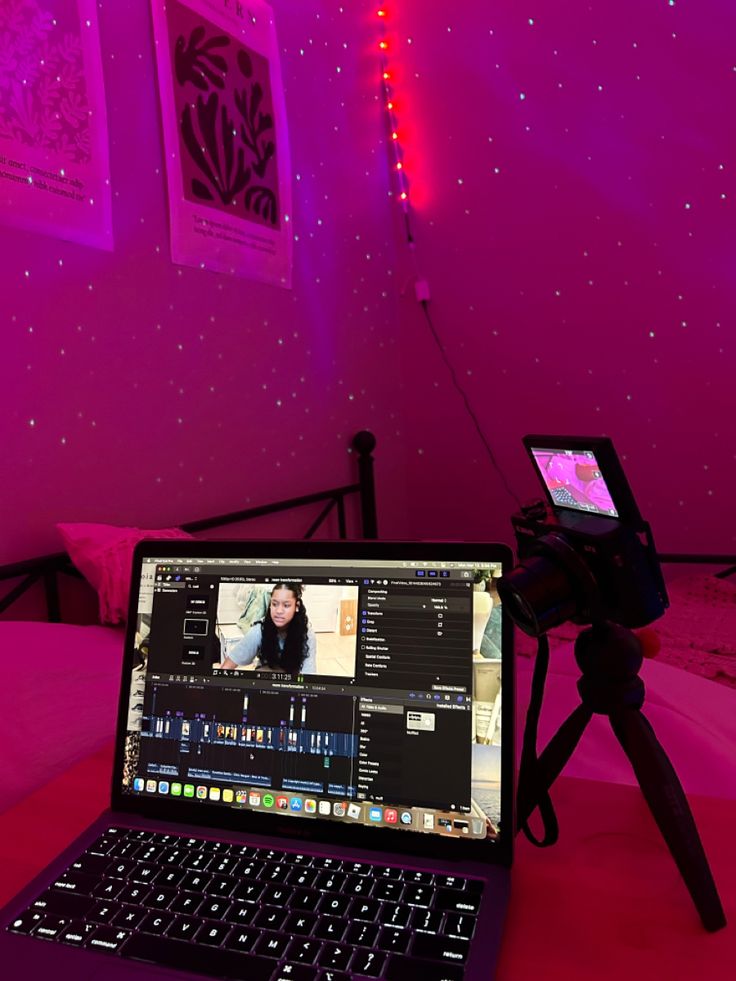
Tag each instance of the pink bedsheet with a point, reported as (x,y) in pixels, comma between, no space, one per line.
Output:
(58,700)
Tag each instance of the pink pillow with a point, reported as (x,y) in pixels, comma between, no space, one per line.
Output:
(104,555)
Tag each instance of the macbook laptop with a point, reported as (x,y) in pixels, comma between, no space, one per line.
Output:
(313,775)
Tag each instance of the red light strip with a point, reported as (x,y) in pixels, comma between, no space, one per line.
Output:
(389,103)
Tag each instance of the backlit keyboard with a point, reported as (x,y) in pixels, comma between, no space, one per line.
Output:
(234,911)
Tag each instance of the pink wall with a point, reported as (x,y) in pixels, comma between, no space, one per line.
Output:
(575,191)
(577,243)
(161,393)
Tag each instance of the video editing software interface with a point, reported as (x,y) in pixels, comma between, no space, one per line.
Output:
(392,720)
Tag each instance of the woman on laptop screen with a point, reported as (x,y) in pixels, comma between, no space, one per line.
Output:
(283,640)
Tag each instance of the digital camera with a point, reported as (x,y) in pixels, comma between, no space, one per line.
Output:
(585,554)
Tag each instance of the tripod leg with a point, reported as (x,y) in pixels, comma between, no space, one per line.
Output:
(666,799)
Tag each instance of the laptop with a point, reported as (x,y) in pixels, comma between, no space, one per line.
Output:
(313,777)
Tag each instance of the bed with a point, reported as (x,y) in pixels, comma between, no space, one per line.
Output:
(58,700)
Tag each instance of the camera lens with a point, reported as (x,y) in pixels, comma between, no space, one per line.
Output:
(538,595)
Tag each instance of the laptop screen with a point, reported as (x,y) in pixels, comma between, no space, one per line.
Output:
(356,691)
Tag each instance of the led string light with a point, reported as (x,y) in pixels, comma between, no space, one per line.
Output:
(421,287)
(397,154)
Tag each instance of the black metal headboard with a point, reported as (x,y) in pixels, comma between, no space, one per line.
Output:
(47,568)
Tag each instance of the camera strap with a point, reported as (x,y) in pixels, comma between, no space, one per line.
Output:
(532,794)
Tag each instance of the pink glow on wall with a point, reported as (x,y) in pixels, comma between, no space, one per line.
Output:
(572,191)
(578,243)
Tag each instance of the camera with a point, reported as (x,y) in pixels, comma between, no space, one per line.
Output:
(585,554)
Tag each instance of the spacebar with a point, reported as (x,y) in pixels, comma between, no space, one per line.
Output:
(213,961)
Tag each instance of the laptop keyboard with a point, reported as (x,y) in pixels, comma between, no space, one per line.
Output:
(234,911)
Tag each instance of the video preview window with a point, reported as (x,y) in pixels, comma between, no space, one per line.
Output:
(287,627)
(574,480)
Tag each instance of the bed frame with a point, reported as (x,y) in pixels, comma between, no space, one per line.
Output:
(48,569)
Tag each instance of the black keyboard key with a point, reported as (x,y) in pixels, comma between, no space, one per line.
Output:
(275,873)
(418,895)
(451,881)
(270,917)
(335,956)
(272,944)
(150,853)
(241,913)
(395,915)
(427,920)
(214,909)
(330,928)
(93,864)
(451,949)
(134,893)
(248,891)
(157,923)
(276,895)
(77,933)
(368,963)
(104,912)
(457,925)
(302,877)
(144,873)
(303,950)
(418,878)
(329,881)
(50,927)
(394,940)
(304,899)
(386,890)
(195,881)
(454,901)
(185,902)
(70,905)
(365,909)
(213,934)
(293,972)
(130,917)
(362,934)
(333,976)
(171,877)
(197,861)
(300,923)
(388,872)
(160,898)
(121,869)
(327,862)
(242,939)
(183,928)
(79,882)
(410,969)
(358,885)
(214,962)
(336,905)
(107,888)
(221,885)
(25,922)
(107,938)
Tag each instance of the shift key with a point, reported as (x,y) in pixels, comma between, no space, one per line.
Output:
(70,904)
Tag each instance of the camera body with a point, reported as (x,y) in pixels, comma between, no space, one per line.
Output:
(585,554)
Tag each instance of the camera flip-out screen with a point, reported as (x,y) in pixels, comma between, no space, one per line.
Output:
(582,474)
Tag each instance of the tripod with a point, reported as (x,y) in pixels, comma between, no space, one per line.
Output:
(609,657)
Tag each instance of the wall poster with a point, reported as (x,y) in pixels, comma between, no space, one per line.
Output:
(225,136)
(54,161)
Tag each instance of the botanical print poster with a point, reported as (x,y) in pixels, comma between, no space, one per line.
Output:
(225,136)
(54,163)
